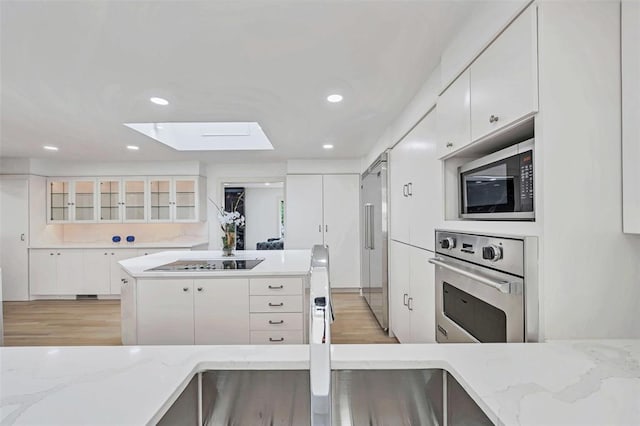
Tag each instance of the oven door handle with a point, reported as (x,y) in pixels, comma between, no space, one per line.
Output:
(506,287)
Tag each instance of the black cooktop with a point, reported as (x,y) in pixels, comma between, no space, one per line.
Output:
(207,265)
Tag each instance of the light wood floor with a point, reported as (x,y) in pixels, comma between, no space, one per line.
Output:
(97,322)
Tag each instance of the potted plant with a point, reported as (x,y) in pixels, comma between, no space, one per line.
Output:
(229,223)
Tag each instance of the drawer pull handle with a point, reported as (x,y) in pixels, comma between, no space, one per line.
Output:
(276,287)
(276,322)
(276,304)
(271,339)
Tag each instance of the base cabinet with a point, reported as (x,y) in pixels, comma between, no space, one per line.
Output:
(165,312)
(212,311)
(221,311)
(411,293)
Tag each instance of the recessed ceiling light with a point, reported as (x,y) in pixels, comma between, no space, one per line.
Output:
(267,184)
(159,101)
(327,146)
(334,98)
(50,148)
(133,147)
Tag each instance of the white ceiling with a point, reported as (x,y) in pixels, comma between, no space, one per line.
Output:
(73,72)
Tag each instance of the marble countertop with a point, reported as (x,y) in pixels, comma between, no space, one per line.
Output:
(276,262)
(121,245)
(582,382)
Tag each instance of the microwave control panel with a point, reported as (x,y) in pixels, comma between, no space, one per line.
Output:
(526,181)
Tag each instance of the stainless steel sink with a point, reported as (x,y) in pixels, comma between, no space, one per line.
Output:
(359,397)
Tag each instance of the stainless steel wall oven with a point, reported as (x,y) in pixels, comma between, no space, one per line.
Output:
(486,289)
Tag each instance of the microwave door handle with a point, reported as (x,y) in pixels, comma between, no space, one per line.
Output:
(502,286)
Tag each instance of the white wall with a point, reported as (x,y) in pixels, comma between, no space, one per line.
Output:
(43,167)
(321,166)
(591,270)
(261,212)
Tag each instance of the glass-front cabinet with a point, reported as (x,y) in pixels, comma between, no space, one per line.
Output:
(163,199)
(186,200)
(160,200)
(71,200)
(134,200)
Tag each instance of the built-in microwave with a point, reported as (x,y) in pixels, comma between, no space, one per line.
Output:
(499,186)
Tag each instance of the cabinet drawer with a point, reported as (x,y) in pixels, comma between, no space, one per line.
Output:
(279,321)
(276,337)
(276,303)
(275,286)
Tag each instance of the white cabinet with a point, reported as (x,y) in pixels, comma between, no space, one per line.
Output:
(454,116)
(165,312)
(412,294)
(276,310)
(416,186)
(14,237)
(221,309)
(43,275)
(116,273)
(324,209)
(122,200)
(303,203)
(174,199)
(71,200)
(630,115)
(504,78)
(55,272)
(96,273)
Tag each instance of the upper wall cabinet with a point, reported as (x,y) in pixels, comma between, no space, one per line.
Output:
(122,200)
(126,200)
(174,199)
(71,200)
(504,78)
(630,114)
(454,116)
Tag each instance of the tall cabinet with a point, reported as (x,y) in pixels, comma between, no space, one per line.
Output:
(324,209)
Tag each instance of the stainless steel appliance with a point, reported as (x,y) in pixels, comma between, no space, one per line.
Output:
(486,288)
(208,265)
(375,281)
(499,186)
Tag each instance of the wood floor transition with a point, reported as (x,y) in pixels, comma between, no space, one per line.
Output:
(97,322)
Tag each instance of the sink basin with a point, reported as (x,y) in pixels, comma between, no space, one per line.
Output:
(359,397)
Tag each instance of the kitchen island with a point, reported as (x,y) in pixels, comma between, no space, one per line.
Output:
(190,304)
(558,383)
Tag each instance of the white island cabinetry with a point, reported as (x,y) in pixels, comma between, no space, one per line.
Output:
(263,305)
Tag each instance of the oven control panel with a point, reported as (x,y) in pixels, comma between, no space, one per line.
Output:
(501,253)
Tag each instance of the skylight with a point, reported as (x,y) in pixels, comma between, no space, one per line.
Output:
(219,136)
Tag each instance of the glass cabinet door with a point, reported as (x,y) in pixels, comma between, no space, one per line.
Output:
(109,200)
(185,199)
(84,200)
(160,196)
(59,202)
(134,200)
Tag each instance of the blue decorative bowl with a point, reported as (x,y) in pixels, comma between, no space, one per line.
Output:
(116,238)
(130,238)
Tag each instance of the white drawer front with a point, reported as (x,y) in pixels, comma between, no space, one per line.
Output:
(290,337)
(283,321)
(276,303)
(276,285)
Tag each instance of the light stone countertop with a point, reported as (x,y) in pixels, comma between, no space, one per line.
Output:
(276,263)
(559,383)
(121,245)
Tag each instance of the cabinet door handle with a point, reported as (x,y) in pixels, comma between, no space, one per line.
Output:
(319,228)
(271,339)
(276,287)
(326,228)
(276,304)
(493,119)
(449,144)
(58,254)
(21,237)
(200,288)
(405,302)
(50,254)
(410,189)
(276,322)
(185,289)
(124,281)
(410,305)
(405,190)
(106,254)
